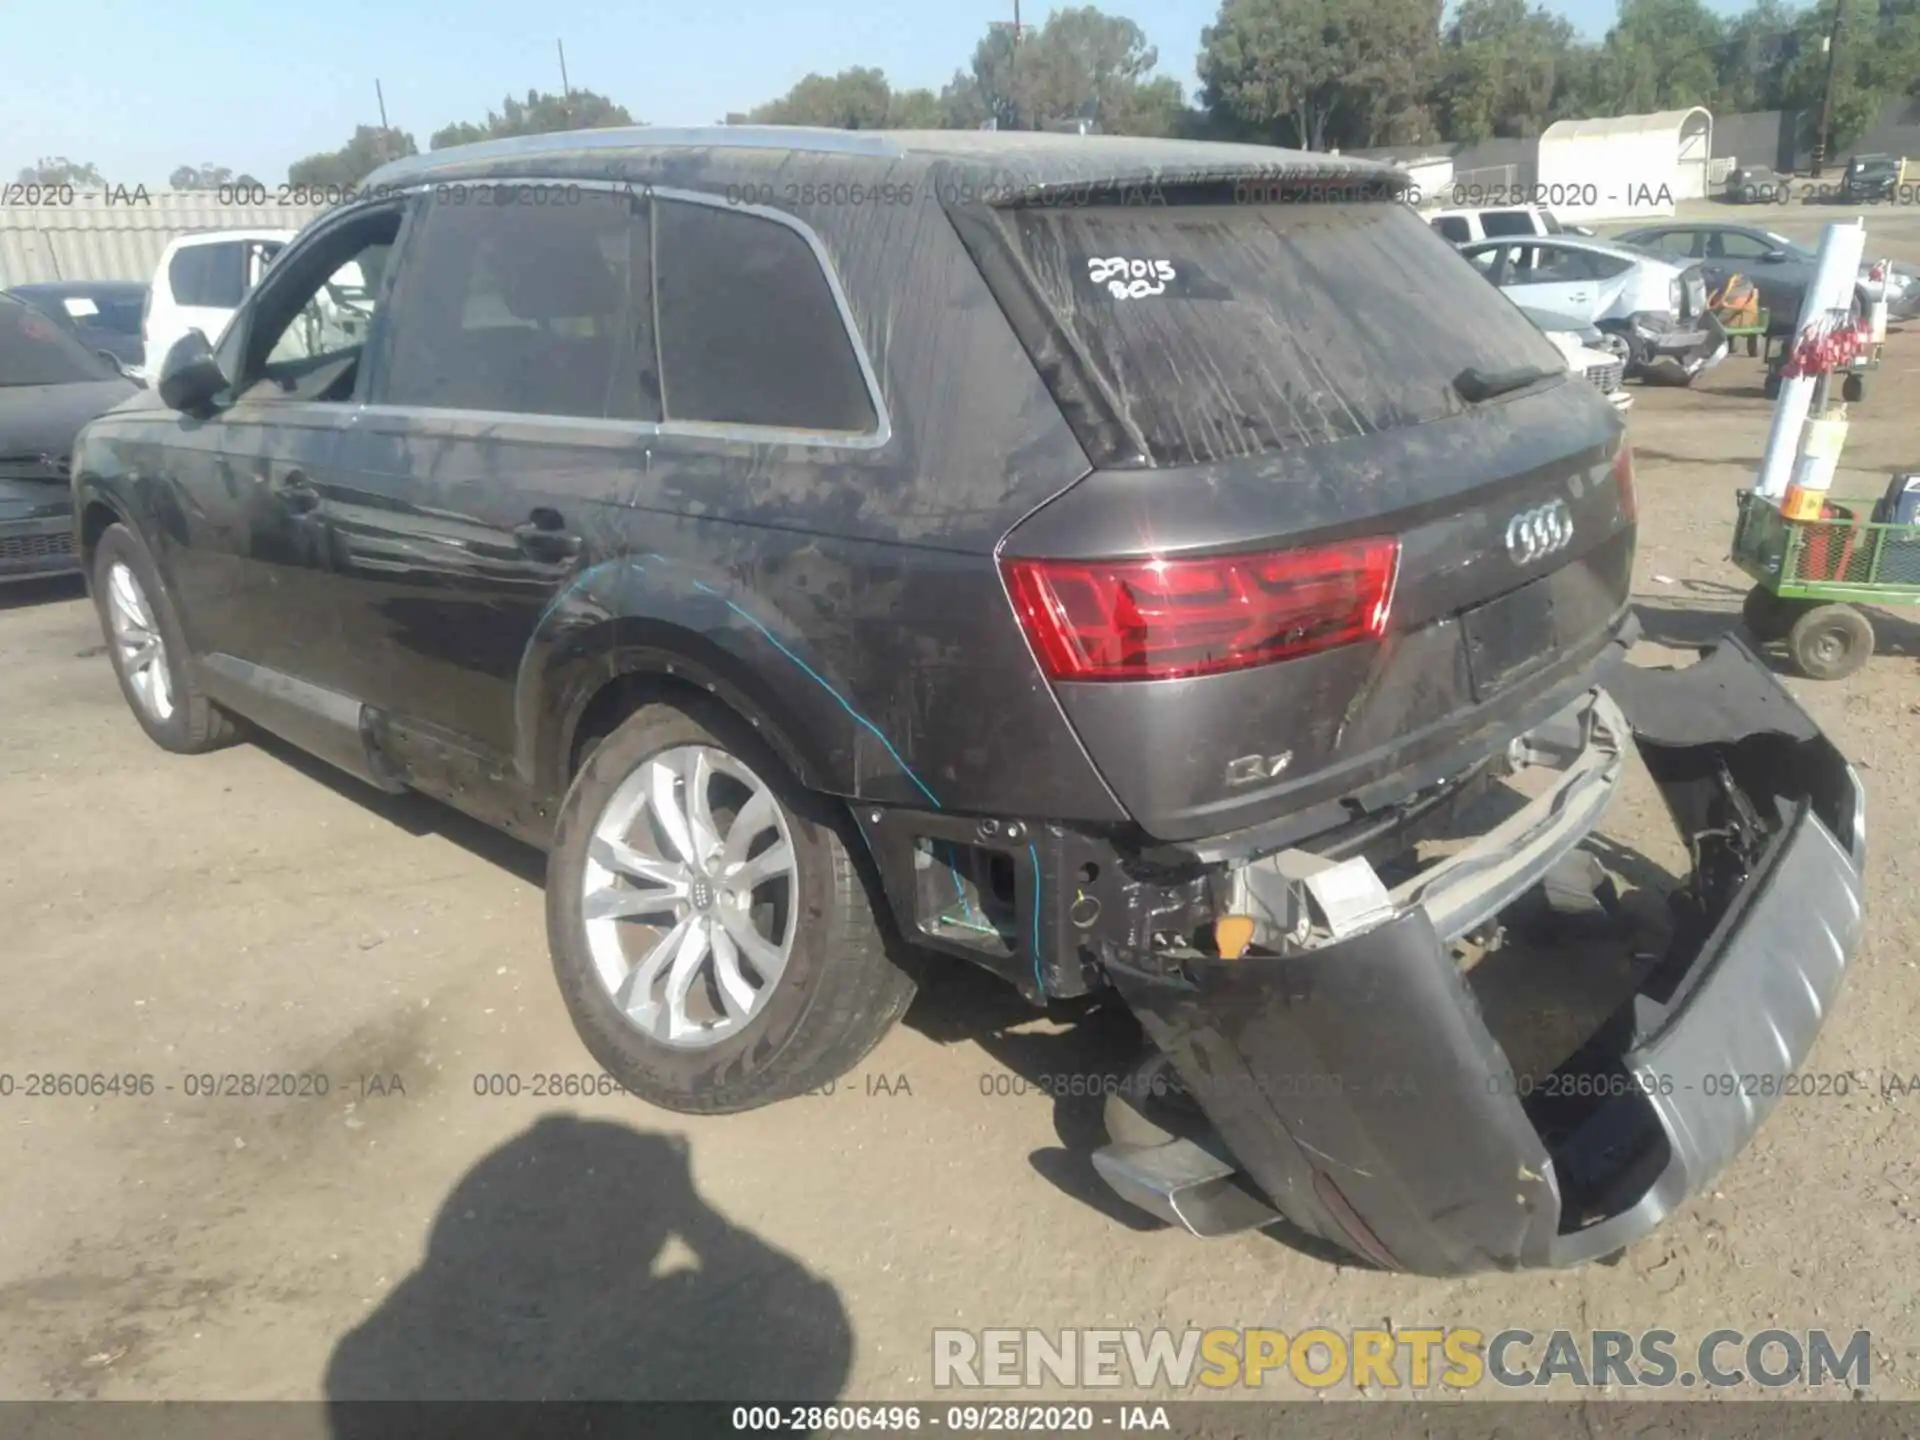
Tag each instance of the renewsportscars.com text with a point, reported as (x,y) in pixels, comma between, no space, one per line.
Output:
(1453,1358)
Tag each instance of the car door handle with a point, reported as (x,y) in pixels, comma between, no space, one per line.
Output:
(545,540)
(1579,295)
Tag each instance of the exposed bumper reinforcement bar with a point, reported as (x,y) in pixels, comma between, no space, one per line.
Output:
(1358,1087)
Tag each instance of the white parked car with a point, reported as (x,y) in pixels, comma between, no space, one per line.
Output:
(1587,355)
(199,283)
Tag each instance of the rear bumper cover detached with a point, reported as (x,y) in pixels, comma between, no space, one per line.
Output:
(1357,1086)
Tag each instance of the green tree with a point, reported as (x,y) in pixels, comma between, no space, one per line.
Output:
(59,170)
(208,177)
(856,99)
(541,113)
(1502,67)
(1661,55)
(1320,73)
(369,149)
(1081,64)
(1879,60)
(1760,45)
(915,110)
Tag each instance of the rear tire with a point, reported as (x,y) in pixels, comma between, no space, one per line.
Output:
(149,649)
(1830,642)
(678,1001)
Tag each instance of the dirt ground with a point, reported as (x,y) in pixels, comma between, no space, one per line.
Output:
(250,913)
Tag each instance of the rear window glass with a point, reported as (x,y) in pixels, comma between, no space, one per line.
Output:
(1455,228)
(34,350)
(1232,330)
(1506,222)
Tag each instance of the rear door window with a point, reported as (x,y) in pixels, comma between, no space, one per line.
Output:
(1455,228)
(1215,331)
(513,309)
(750,330)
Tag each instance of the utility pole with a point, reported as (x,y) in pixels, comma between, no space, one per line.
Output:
(379,96)
(1826,98)
(1013,63)
(565,88)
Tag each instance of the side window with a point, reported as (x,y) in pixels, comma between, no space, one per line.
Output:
(750,333)
(525,309)
(212,275)
(1604,267)
(1734,246)
(1485,260)
(308,328)
(1506,222)
(1674,242)
(1521,265)
(1455,228)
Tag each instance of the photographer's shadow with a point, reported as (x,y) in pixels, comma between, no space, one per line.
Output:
(577,1263)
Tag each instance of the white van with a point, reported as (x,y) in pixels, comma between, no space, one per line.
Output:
(199,283)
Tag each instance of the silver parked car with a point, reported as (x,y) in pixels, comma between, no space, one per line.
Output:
(1650,313)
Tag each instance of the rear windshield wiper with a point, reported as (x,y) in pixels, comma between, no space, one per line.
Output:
(1475,385)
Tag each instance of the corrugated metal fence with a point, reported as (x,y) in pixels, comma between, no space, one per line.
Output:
(119,235)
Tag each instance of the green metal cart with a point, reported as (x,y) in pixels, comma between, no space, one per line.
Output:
(1811,574)
(1755,334)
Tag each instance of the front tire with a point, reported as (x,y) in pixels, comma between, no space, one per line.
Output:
(710,931)
(149,649)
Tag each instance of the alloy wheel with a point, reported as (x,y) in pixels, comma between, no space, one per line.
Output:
(136,635)
(689,896)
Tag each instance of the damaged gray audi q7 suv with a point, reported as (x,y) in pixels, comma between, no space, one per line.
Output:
(1127,565)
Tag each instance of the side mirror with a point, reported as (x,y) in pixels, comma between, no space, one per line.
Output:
(190,377)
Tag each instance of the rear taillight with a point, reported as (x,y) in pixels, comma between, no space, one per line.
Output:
(1623,479)
(1162,619)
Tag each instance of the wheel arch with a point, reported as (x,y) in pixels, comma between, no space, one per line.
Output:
(637,663)
(648,625)
(96,515)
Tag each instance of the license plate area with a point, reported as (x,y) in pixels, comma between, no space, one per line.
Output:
(1509,636)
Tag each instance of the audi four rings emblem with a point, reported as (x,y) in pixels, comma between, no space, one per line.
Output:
(1537,533)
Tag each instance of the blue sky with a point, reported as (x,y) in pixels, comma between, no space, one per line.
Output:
(139,88)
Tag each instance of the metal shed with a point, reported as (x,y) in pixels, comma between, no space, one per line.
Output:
(117,236)
(1626,166)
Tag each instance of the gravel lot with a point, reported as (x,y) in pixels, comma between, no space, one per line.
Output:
(250,913)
